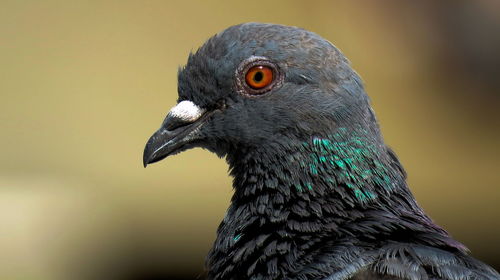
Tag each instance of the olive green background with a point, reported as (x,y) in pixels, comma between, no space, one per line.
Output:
(83,84)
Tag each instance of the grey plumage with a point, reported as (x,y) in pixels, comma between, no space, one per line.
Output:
(318,195)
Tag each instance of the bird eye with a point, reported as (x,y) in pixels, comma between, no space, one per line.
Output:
(259,76)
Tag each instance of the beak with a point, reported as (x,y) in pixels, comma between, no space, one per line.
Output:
(178,131)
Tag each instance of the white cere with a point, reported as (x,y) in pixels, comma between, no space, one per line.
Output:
(187,111)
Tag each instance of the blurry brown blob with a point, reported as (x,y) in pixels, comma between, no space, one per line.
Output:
(467,49)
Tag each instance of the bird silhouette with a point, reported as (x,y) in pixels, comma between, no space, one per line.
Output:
(317,193)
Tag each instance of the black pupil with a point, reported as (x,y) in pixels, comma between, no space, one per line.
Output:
(258,77)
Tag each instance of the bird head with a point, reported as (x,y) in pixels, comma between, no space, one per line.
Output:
(255,86)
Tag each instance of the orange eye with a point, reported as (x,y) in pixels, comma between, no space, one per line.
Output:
(259,77)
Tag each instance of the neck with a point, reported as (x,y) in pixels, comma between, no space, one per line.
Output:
(293,198)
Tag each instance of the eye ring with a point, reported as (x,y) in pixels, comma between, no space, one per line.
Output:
(257,75)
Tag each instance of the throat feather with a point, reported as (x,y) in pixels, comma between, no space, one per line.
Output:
(293,197)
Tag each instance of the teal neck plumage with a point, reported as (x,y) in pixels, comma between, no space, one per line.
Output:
(324,189)
(351,161)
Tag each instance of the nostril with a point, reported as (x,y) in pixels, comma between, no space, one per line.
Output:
(173,122)
(182,114)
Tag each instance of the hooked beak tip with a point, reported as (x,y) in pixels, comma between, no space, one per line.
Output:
(149,150)
(145,157)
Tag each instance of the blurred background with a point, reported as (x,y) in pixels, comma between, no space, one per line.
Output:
(83,85)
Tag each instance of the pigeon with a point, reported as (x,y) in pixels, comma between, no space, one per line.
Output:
(317,192)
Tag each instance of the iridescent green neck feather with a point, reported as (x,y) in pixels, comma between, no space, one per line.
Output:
(351,161)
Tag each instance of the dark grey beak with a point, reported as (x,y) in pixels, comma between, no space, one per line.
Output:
(177,133)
